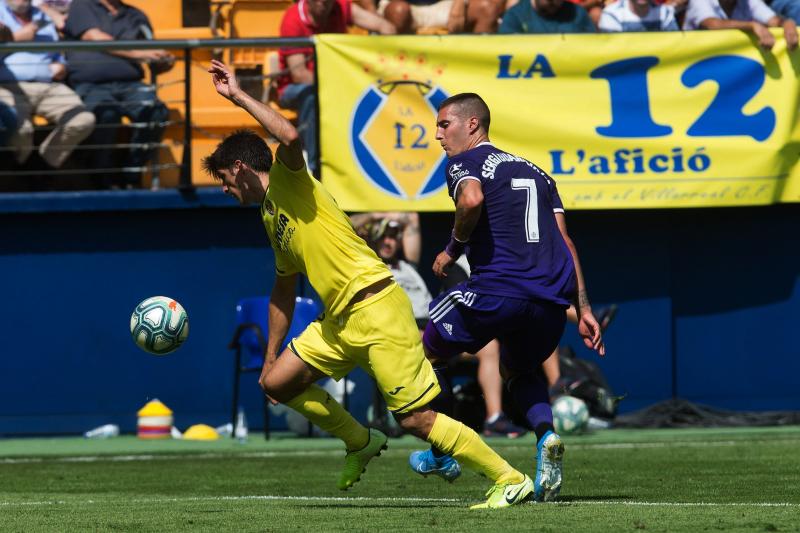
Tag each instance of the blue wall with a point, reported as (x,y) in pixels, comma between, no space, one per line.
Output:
(706,304)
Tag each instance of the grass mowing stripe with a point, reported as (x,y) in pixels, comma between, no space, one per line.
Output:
(170,456)
(345,499)
(151,501)
(333,453)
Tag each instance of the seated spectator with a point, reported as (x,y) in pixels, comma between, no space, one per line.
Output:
(296,88)
(546,16)
(5,34)
(32,84)
(593,7)
(396,239)
(476,16)
(55,9)
(637,15)
(680,9)
(749,15)
(8,117)
(8,122)
(789,9)
(110,83)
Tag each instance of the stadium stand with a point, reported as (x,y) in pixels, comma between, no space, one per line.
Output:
(211,118)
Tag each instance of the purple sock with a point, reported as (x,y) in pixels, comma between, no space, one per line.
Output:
(529,392)
(540,413)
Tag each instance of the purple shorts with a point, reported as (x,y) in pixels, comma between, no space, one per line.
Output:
(465,321)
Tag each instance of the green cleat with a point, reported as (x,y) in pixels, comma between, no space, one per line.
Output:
(355,463)
(507,494)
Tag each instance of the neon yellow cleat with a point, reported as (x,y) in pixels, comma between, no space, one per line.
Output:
(355,463)
(507,494)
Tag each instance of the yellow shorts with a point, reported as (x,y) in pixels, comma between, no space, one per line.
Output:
(380,335)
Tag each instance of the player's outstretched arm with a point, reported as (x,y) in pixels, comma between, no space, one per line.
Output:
(588,327)
(281,309)
(290,149)
(469,205)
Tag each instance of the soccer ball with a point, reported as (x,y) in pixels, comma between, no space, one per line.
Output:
(159,325)
(570,414)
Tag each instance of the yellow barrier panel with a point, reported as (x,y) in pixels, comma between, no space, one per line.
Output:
(620,121)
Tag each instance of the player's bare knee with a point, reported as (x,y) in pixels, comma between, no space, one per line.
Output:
(398,13)
(417,422)
(264,383)
(271,387)
(483,13)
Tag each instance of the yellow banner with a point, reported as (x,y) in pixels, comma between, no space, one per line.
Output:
(634,120)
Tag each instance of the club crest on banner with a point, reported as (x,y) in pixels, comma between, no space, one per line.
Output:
(393,127)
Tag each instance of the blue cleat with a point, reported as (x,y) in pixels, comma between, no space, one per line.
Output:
(549,457)
(425,463)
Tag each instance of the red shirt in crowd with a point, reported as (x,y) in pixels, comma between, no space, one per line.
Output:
(297,23)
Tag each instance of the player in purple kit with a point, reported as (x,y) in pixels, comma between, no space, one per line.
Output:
(524,274)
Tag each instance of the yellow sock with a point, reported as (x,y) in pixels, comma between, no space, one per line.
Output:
(321,409)
(454,438)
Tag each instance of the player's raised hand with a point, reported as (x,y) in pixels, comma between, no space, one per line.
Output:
(224,80)
(589,330)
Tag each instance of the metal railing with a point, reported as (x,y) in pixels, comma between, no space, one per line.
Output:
(185,45)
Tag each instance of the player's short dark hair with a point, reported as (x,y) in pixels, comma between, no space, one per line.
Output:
(469,104)
(246,146)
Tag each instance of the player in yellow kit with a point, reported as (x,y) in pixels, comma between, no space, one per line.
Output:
(368,319)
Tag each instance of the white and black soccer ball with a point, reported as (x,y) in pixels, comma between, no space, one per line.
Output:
(570,414)
(159,325)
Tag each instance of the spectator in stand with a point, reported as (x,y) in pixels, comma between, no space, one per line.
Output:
(546,16)
(296,88)
(110,83)
(395,237)
(55,9)
(593,7)
(680,9)
(789,9)
(8,122)
(8,117)
(638,15)
(749,15)
(32,84)
(476,16)
(6,34)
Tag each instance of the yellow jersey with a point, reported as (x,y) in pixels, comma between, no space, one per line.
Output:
(310,234)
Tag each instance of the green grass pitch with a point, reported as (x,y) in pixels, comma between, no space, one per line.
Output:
(615,480)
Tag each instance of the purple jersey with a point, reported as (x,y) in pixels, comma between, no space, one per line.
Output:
(516,248)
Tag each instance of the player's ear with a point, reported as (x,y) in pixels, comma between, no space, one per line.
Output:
(474,124)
